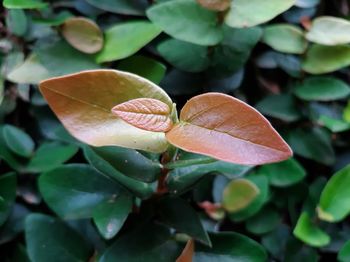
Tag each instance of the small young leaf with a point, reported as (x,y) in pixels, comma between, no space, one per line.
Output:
(186,20)
(328,30)
(215,5)
(250,13)
(145,113)
(83,34)
(229,128)
(308,232)
(238,194)
(187,253)
(90,96)
(334,201)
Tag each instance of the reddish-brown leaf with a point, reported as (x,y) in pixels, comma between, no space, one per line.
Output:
(228,129)
(215,5)
(145,113)
(187,253)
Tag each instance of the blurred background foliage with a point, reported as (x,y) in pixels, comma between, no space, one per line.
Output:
(288,59)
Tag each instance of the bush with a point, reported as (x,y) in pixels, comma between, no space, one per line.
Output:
(130,130)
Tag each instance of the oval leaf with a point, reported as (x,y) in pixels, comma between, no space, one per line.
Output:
(83,103)
(83,34)
(238,194)
(18,141)
(245,13)
(186,20)
(145,113)
(334,201)
(328,30)
(226,128)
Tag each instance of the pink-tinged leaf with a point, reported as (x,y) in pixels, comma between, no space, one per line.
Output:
(145,113)
(228,129)
(187,253)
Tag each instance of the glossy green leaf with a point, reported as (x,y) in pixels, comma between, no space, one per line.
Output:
(308,232)
(313,144)
(328,30)
(24,4)
(264,221)
(186,20)
(140,189)
(334,201)
(285,38)
(8,183)
(322,89)
(322,59)
(125,39)
(344,252)
(185,56)
(334,124)
(178,214)
(147,243)
(262,183)
(125,7)
(254,12)
(229,246)
(49,156)
(48,238)
(239,194)
(18,141)
(17,22)
(281,106)
(110,216)
(145,67)
(284,174)
(73,191)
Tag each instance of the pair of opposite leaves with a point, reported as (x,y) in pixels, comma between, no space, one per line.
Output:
(109,107)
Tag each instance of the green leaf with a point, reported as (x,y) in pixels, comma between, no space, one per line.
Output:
(48,239)
(296,251)
(49,156)
(69,61)
(125,7)
(17,22)
(110,216)
(230,246)
(264,221)
(180,179)
(275,241)
(140,189)
(308,232)
(18,141)
(145,67)
(178,214)
(334,124)
(328,30)
(24,4)
(147,243)
(344,252)
(239,194)
(334,201)
(314,143)
(281,106)
(322,89)
(186,20)
(125,39)
(285,38)
(130,162)
(185,56)
(262,183)
(55,20)
(284,174)
(254,12)
(74,191)
(8,184)
(325,59)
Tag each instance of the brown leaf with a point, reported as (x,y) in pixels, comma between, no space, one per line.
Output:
(83,103)
(215,5)
(228,129)
(145,113)
(187,253)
